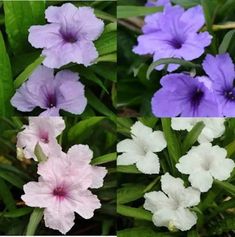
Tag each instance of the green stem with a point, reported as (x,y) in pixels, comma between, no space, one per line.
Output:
(34,221)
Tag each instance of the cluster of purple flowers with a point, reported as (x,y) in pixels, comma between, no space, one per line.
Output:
(67,38)
(174,33)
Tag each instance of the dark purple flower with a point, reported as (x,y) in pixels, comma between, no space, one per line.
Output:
(174,33)
(68,37)
(154,3)
(221,71)
(51,93)
(183,95)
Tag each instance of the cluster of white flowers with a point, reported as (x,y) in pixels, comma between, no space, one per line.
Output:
(202,163)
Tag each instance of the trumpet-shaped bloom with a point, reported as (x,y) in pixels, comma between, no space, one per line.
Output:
(42,131)
(52,93)
(140,149)
(221,71)
(170,208)
(174,33)
(69,36)
(153,3)
(203,163)
(63,188)
(185,96)
(214,127)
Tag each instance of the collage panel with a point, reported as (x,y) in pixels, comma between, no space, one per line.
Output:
(176,177)
(176,58)
(57,176)
(58,58)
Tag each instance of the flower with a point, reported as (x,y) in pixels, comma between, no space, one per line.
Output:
(140,149)
(152,3)
(221,71)
(69,36)
(42,131)
(185,96)
(203,163)
(214,127)
(50,92)
(62,188)
(173,34)
(170,208)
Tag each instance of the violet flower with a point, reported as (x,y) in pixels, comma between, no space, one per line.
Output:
(221,71)
(185,96)
(52,93)
(154,3)
(69,36)
(174,34)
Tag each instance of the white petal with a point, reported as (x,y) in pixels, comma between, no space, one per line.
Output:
(141,131)
(184,219)
(155,201)
(191,197)
(221,170)
(148,164)
(156,141)
(182,123)
(129,145)
(201,180)
(127,159)
(98,174)
(171,185)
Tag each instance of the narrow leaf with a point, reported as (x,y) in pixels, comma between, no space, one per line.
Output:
(104,159)
(128,169)
(34,220)
(223,48)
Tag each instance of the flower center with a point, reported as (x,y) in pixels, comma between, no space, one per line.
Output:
(44,137)
(229,95)
(51,101)
(68,37)
(197,97)
(176,43)
(60,192)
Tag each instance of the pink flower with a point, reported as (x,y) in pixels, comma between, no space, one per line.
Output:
(63,186)
(41,130)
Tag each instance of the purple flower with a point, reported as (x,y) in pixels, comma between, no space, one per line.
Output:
(50,92)
(173,33)
(154,3)
(185,96)
(68,37)
(221,71)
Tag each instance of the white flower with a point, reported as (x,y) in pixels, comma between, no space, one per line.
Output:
(41,130)
(140,149)
(170,208)
(214,127)
(203,163)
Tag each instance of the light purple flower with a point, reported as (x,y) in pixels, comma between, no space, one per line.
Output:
(69,36)
(154,3)
(173,34)
(221,71)
(185,96)
(52,93)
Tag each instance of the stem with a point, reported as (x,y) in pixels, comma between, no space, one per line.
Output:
(34,221)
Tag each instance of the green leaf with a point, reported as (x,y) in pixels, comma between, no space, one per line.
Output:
(6,196)
(105,16)
(192,233)
(186,3)
(17,212)
(39,153)
(110,27)
(12,179)
(17,24)
(230,188)
(192,136)
(108,58)
(27,72)
(142,232)
(34,220)
(223,48)
(128,169)
(78,129)
(168,61)
(172,140)
(6,81)
(130,193)
(131,11)
(224,226)
(104,159)
(107,43)
(98,105)
(137,213)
